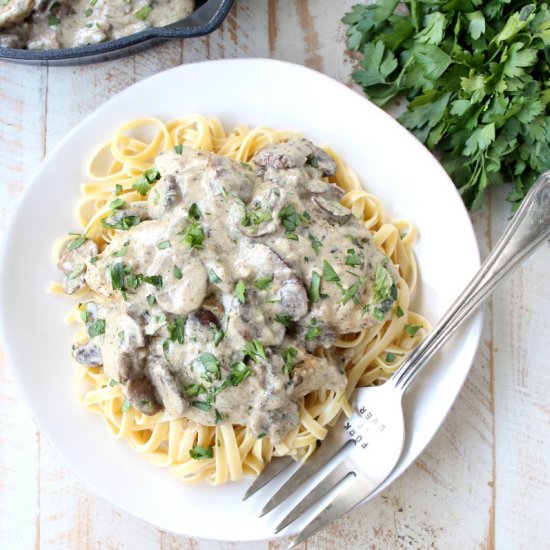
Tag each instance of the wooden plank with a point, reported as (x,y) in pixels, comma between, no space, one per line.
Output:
(22,137)
(522,406)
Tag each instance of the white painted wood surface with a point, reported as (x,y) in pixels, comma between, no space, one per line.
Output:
(483,482)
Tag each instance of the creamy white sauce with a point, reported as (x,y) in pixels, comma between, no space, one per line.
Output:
(233,277)
(39,24)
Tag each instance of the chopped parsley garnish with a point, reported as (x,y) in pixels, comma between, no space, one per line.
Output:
(193,235)
(77,270)
(254,350)
(93,260)
(211,365)
(122,252)
(116,204)
(352,258)
(315,242)
(399,312)
(194,389)
(118,274)
(118,189)
(254,218)
(218,335)
(313,330)
(290,360)
(85,316)
(315,287)
(143,184)
(151,300)
(411,330)
(239,291)
(199,451)
(155,280)
(124,223)
(218,420)
(245,165)
(292,220)
(156,197)
(78,242)
(176,271)
(213,277)
(143,13)
(112,383)
(126,405)
(352,293)
(201,405)
(238,373)
(121,336)
(178,148)
(194,212)
(96,328)
(177,329)
(52,21)
(313,161)
(283,319)
(329,274)
(163,245)
(264,283)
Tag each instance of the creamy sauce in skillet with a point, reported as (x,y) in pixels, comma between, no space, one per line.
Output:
(50,24)
(220,287)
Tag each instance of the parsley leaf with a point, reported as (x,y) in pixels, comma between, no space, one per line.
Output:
(199,451)
(254,350)
(264,283)
(476,75)
(177,330)
(290,359)
(411,330)
(239,291)
(96,328)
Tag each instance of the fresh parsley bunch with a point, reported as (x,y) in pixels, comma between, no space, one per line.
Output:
(476,73)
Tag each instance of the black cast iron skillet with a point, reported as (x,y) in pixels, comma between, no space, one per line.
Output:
(208,16)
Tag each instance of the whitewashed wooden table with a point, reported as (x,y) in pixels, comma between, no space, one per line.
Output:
(483,482)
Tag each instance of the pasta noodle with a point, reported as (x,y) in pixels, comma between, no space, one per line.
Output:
(375,353)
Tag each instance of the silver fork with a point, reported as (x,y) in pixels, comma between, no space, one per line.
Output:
(368,445)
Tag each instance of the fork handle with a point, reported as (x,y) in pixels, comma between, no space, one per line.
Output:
(529,228)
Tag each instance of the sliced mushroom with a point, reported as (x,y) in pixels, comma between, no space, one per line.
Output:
(295,153)
(259,259)
(141,394)
(89,354)
(183,293)
(123,346)
(226,177)
(130,216)
(167,388)
(333,210)
(206,317)
(73,264)
(316,373)
(165,196)
(271,203)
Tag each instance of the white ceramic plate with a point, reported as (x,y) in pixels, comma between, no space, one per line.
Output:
(390,162)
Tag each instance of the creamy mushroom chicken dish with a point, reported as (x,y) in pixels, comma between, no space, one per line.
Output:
(50,24)
(225,290)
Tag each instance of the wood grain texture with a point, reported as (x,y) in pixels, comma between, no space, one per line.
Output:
(483,482)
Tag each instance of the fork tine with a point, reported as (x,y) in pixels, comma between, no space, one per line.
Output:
(320,457)
(329,482)
(344,502)
(273,468)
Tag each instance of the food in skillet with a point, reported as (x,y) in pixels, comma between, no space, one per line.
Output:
(51,24)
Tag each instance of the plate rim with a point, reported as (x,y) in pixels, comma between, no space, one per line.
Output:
(474,324)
